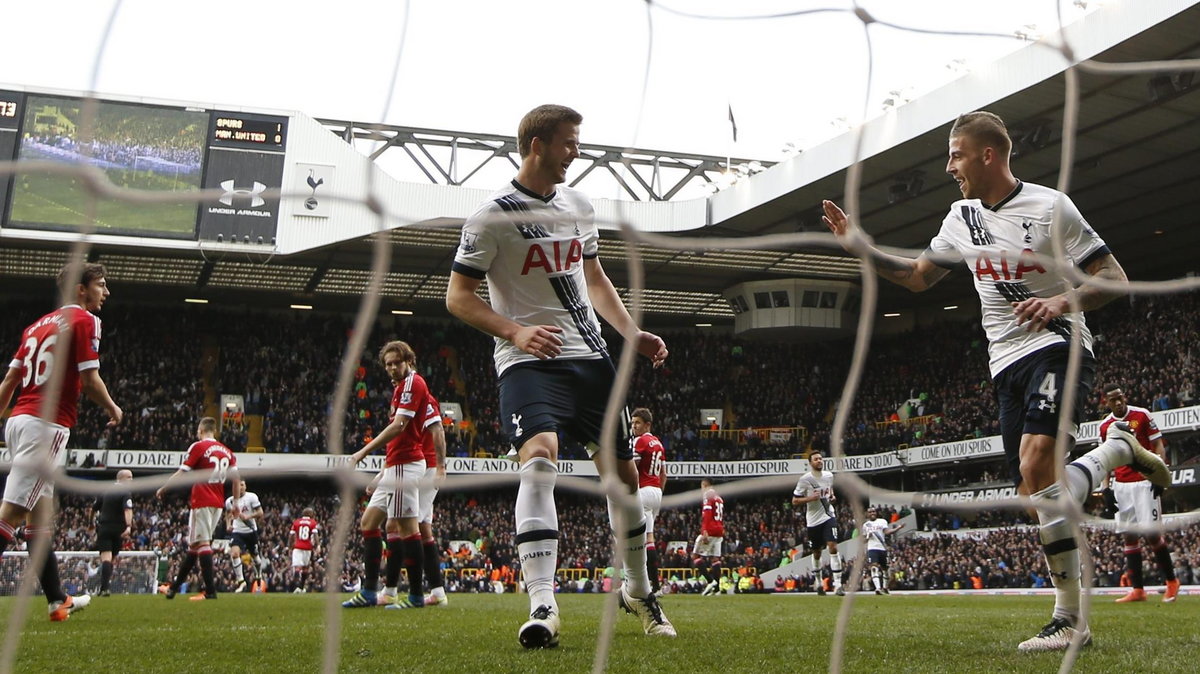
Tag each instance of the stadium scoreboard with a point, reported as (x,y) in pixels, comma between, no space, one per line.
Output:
(244,160)
(10,115)
(149,147)
(236,130)
(9,103)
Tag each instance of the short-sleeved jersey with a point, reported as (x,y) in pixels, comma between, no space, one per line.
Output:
(873,531)
(112,508)
(304,532)
(433,415)
(40,352)
(822,509)
(712,519)
(410,398)
(243,507)
(648,452)
(1144,429)
(215,459)
(531,251)
(1000,245)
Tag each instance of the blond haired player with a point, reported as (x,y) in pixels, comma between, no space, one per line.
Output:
(1001,231)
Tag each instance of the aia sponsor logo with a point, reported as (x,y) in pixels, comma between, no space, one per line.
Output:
(552,256)
(1004,270)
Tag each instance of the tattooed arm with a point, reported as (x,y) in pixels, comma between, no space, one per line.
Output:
(917,274)
(1035,312)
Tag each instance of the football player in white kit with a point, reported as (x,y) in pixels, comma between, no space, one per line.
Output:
(875,531)
(536,243)
(815,488)
(1001,230)
(243,514)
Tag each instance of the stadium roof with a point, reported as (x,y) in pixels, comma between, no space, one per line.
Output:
(1134,177)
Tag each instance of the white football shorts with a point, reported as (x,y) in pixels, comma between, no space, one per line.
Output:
(429,492)
(30,438)
(1136,504)
(202,522)
(400,490)
(711,548)
(651,505)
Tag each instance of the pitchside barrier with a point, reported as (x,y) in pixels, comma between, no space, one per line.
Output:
(1171,422)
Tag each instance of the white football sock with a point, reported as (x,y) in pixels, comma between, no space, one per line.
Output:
(835,566)
(1062,554)
(537,530)
(1090,469)
(633,553)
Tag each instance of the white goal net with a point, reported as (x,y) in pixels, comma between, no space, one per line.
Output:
(134,572)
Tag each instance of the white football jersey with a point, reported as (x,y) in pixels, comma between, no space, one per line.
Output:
(822,508)
(998,245)
(246,505)
(873,530)
(531,251)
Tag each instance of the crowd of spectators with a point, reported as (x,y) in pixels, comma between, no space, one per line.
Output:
(285,366)
(992,548)
(162,364)
(1012,557)
(169,140)
(152,365)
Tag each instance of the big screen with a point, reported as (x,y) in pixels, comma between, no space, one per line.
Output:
(142,147)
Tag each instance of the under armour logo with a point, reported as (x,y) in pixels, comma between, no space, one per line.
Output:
(253,193)
(1047,406)
(516,422)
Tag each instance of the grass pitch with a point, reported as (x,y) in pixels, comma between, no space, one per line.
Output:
(477,633)
(41,198)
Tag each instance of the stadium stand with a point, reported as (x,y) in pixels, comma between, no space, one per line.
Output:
(761,534)
(167,365)
(154,357)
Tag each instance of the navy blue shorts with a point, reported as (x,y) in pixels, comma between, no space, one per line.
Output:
(247,542)
(823,533)
(1029,394)
(878,558)
(562,396)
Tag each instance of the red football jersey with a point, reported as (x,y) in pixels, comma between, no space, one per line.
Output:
(1144,429)
(305,530)
(211,456)
(40,352)
(410,397)
(650,460)
(713,520)
(433,415)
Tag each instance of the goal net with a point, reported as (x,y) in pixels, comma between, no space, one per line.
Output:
(134,572)
(137,572)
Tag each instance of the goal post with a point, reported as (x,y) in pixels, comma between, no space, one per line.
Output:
(134,572)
